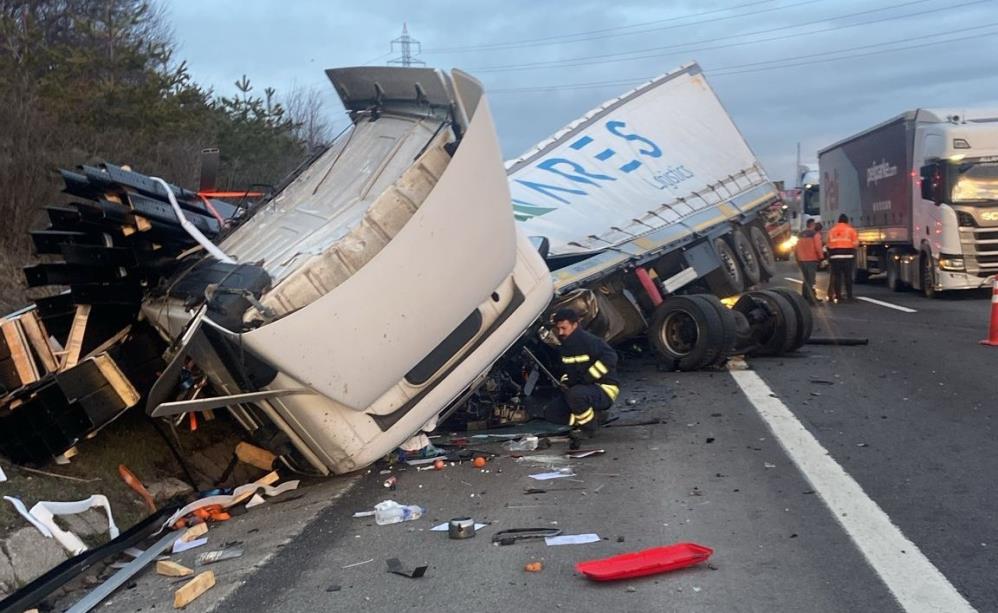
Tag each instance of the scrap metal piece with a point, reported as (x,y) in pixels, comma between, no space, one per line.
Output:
(395,567)
(119,578)
(511,536)
(461,528)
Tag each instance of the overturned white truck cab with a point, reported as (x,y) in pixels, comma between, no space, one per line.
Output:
(372,291)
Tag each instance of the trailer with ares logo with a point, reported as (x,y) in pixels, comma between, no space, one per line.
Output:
(651,209)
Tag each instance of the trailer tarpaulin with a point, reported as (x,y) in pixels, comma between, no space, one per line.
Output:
(648,159)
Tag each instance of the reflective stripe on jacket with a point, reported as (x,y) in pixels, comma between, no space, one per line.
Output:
(588,359)
(842,236)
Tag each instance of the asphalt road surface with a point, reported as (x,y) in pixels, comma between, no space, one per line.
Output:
(837,479)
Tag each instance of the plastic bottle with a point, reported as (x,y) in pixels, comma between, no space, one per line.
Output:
(391,512)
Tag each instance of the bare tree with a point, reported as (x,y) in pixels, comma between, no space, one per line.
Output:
(306,108)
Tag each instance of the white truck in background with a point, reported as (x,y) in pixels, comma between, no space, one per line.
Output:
(921,189)
(650,208)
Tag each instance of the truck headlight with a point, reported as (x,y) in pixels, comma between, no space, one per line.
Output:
(788,244)
(951,263)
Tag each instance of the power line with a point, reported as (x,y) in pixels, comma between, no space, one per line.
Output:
(776,64)
(599,34)
(682,48)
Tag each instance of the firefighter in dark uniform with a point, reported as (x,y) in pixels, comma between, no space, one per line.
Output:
(590,384)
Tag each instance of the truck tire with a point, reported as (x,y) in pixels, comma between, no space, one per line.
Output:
(893,267)
(805,319)
(685,333)
(728,329)
(927,275)
(783,331)
(729,275)
(743,333)
(763,250)
(746,257)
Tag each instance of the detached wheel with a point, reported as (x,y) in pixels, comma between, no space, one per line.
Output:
(746,257)
(729,331)
(763,250)
(685,333)
(805,319)
(783,329)
(728,278)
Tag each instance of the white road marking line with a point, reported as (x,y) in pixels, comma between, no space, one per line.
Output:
(913,580)
(886,304)
(865,299)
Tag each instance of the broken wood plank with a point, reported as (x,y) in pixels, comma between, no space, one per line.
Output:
(34,330)
(255,456)
(111,342)
(195,531)
(193,589)
(121,385)
(20,353)
(74,344)
(169,568)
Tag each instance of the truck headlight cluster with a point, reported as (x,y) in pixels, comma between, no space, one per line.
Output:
(951,263)
(788,244)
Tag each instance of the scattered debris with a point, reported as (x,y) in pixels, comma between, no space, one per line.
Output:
(841,340)
(533,567)
(556,474)
(182,546)
(646,562)
(395,567)
(219,555)
(584,453)
(57,475)
(193,589)
(478,462)
(45,511)
(391,482)
(169,568)
(358,563)
(255,456)
(195,531)
(23,511)
(823,381)
(390,512)
(3,477)
(768,465)
(512,535)
(363,514)
(571,539)
(133,482)
(537,490)
(527,443)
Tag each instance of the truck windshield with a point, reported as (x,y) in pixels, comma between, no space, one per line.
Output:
(812,202)
(976,182)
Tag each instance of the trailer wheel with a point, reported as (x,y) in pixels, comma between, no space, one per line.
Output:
(928,276)
(746,257)
(805,319)
(728,328)
(685,333)
(783,329)
(763,250)
(729,277)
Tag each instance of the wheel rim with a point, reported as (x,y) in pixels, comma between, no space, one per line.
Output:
(765,252)
(680,332)
(732,267)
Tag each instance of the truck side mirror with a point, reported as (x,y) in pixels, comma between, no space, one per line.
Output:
(932,182)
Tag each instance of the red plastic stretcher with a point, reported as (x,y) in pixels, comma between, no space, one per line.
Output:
(647,562)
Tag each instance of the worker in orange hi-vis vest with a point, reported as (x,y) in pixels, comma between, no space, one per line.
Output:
(809,253)
(842,244)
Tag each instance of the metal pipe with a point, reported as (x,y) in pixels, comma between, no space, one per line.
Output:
(188,227)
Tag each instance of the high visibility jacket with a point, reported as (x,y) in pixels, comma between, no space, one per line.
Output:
(809,247)
(588,359)
(842,236)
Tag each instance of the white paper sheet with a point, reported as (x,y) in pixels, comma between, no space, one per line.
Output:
(572,539)
(180,545)
(557,474)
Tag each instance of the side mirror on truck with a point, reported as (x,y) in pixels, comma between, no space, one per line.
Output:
(932,182)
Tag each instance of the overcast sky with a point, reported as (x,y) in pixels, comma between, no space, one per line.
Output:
(772,63)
